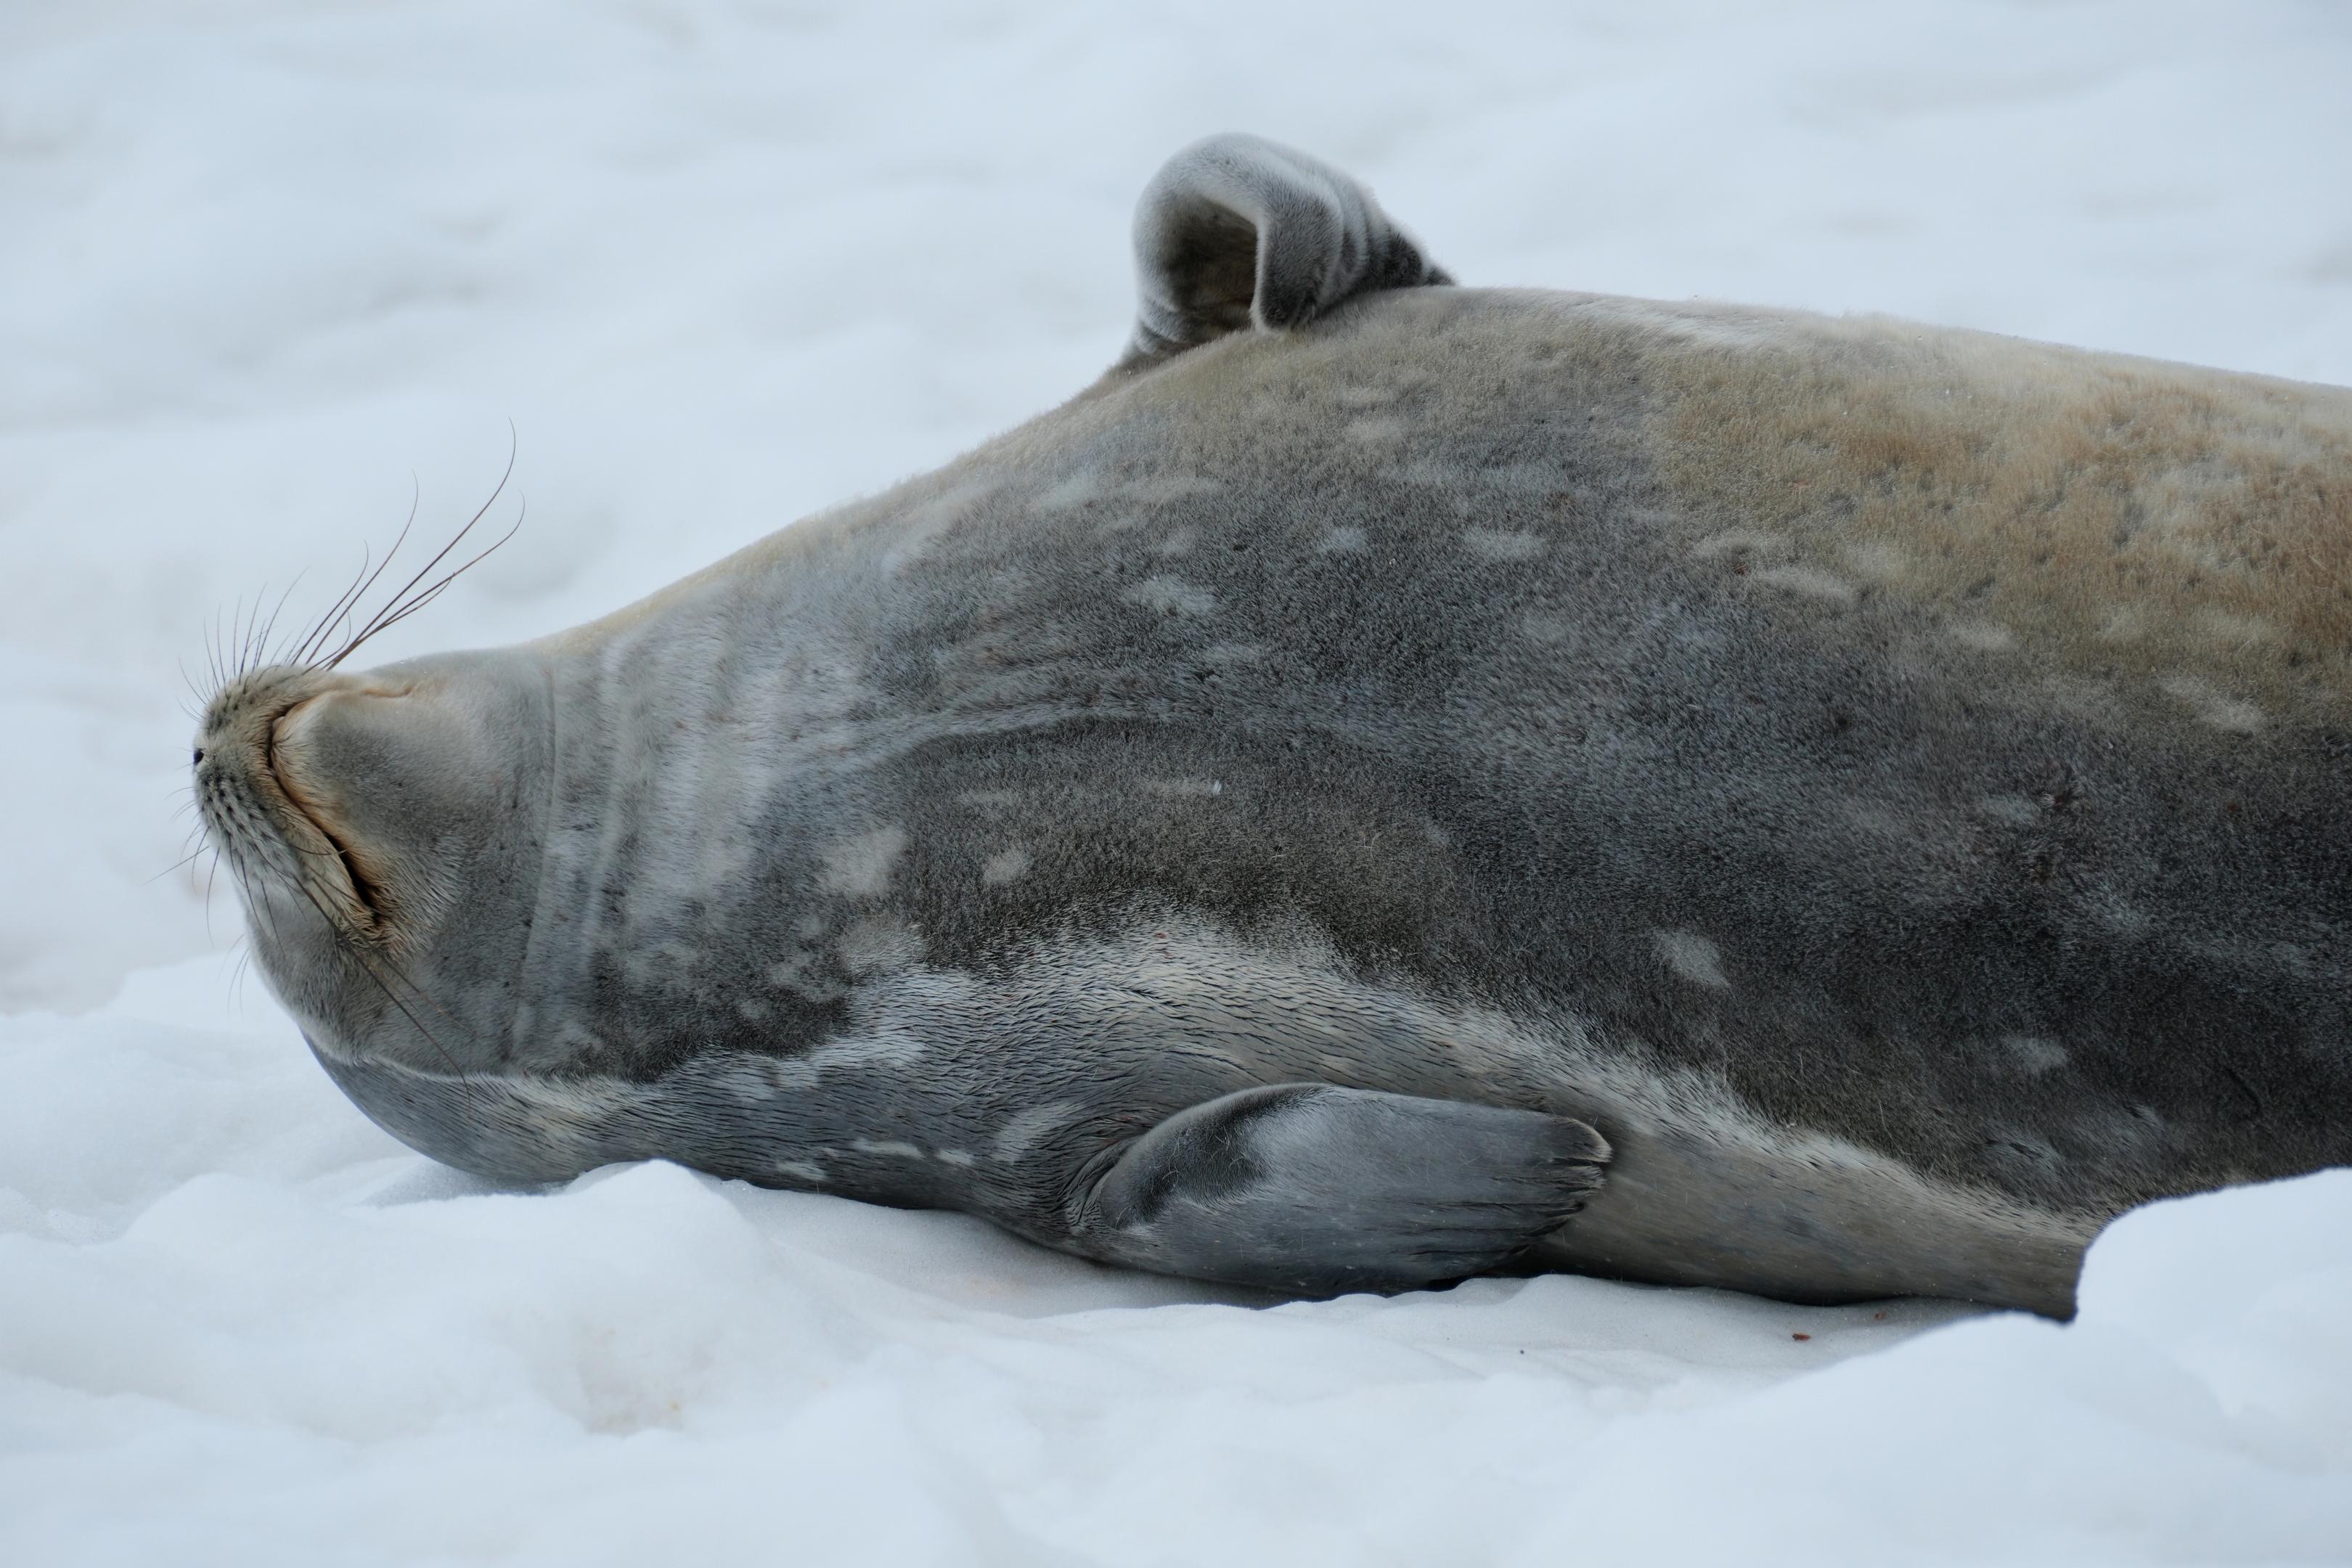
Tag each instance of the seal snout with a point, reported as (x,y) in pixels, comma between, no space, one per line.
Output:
(278,837)
(373,823)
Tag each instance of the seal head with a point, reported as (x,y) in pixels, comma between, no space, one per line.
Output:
(381,830)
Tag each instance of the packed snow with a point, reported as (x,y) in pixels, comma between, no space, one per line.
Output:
(270,267)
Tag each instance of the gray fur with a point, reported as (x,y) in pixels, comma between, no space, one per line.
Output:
(1500,698)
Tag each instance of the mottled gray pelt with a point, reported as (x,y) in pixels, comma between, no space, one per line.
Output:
(1852,805)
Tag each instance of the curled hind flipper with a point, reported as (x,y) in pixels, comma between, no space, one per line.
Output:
(1236,232)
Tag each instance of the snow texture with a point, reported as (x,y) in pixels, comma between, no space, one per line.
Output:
(722,264)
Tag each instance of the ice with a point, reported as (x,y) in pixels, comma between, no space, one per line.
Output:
(269,268)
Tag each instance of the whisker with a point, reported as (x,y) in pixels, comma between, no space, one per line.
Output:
(262,643)
(239,971)
(211,873)
(301,652)
(244,642)
(343,611)
(245,637)
(387,622)
(394,609)
(254,908)
(365,580)
(185,860)
(233,642)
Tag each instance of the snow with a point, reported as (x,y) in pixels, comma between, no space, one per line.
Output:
(266,263)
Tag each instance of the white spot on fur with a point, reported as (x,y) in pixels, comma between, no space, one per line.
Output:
(1694,957)
(890,1147)
(574,1039)
(2115,912)
(861,867)
(2213,707)
(1493,545)
(1880,562)
(1377,431)
(1074,492)
(871,946)
(800,975)
(1345,540)
(790,1075)
(989,799)
(1179,542)
(1173,596)
(1983,636)
(1005,866)
(1158,490)
(2236,631)
(2014,809)
(800,1170)
(2035,1054)
(1806,581)
(1541,625)
(751,1009)
(926,521)
(1527,478)
(1185,786)
(2293,957)
(890,1049)
(957,1157)
(1026,1129)
(1365,394)
(751,1083)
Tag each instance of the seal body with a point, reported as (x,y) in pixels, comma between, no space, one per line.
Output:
(1836,807)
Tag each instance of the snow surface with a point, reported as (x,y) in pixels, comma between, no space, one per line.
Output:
(721,264)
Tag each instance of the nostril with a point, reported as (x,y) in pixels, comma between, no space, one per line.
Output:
(200,753)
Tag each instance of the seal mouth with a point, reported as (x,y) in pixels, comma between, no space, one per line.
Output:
(364,888)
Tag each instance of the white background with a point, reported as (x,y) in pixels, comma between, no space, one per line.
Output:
(265,267)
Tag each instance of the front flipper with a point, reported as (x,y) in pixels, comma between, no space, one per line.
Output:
(1313,1188)
(1238,232)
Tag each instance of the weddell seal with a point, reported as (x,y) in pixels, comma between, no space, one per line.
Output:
(1399,781)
